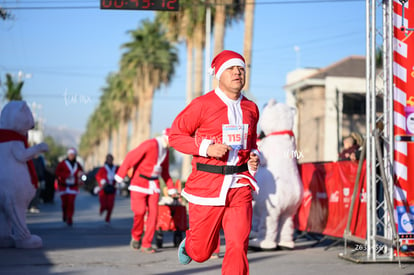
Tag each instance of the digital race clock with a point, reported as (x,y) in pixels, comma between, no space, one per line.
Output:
(162,5)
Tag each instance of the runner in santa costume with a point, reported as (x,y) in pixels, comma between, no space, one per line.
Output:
(68,173)
(219,130)
(107,187)
(149,161)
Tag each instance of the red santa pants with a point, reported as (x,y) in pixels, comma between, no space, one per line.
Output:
(107,202)
(141,204)
(68,207)
(235,218)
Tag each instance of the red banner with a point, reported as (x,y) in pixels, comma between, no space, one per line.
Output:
(328,189)
(403,70)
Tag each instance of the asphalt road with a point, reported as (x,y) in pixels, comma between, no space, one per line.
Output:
(92,247)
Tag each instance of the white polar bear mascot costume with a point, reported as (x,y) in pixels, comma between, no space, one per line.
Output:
(17,176)
(281,188)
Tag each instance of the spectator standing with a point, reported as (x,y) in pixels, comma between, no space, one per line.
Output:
(40,168)
(350,149)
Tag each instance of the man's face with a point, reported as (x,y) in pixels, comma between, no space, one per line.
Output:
(232,80)
(109,160)
(71,157)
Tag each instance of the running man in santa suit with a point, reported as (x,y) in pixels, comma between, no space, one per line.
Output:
(219,130)
(68,173)
(107,187)
(149,161)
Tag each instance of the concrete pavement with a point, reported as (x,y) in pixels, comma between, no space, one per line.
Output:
(91,247)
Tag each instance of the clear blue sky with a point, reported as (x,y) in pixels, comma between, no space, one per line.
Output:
(70,52)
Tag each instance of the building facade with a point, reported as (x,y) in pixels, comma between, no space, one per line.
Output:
(330,105)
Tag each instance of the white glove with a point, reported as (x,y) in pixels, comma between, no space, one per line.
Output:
(42,147)
(121,185)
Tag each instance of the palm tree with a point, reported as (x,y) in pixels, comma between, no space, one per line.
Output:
(110,117)
(248,40)
(198,42)
(90,139)
(152,59)
(13,90)
(219,25)
(182,27)
(95,141)
(188,25)
(5,14)
(225,12)
(123,102)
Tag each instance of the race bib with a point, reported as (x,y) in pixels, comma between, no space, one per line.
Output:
(156,171)
(235,135)
(70,180)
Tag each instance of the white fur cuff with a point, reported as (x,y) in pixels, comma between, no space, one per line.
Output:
(202,151)
(118,178)
(172,191)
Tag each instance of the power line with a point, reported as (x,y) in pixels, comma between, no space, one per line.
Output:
(264,2)
(198,4)
(307,44)
(49,2)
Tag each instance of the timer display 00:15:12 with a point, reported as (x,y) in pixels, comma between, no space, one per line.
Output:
(162,5)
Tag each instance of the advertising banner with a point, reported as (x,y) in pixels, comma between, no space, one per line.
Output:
(403,70)
(328,189)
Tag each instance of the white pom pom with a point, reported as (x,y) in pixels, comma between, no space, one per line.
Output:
(211,71)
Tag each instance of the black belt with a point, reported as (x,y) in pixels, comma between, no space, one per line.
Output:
(148,178)
(222,169)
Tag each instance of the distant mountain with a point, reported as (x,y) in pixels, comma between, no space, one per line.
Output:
(64,136)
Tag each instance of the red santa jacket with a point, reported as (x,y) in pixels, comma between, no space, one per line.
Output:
(106,175)
(214,118)
(149,161)
(68,177)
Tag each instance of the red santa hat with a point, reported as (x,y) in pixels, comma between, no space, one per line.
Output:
(224,60)
(166,132)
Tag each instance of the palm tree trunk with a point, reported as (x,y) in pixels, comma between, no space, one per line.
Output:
(219,27)
(133,127)
(198,68)
(103,149)
(143,131)
(248,42)
(123,138)
(186,164)
(98,153)
(197,45)
(190,62)
(219,31)
(114,150)
(89,163)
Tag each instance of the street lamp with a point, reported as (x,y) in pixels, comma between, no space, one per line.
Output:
(297,50)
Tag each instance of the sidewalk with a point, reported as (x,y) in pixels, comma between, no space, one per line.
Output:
(91,247)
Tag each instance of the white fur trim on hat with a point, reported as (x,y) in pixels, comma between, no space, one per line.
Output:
(229,63)
(71,151)
(211,71)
